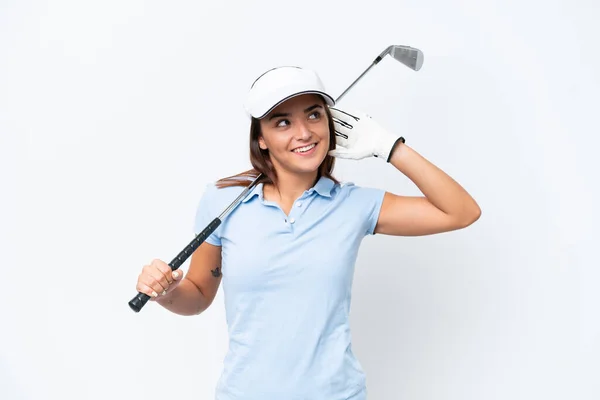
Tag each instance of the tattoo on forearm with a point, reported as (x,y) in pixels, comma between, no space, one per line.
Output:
(216,272)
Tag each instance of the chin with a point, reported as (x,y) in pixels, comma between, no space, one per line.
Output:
(302,168)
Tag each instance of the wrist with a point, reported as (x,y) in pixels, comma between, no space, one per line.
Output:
(399,141)
(387,146)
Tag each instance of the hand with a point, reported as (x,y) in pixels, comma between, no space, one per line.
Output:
(359,136)
(157,279)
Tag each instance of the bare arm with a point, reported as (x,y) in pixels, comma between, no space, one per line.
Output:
(446,205)
(197,290)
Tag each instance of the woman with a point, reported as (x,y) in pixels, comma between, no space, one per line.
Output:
(287,252)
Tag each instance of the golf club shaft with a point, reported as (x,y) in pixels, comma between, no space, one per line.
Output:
(141,299)
(409,56)
(356,80)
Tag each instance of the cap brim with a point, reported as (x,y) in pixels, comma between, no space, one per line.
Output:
(328,100)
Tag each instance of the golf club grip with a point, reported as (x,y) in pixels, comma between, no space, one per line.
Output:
(141,299)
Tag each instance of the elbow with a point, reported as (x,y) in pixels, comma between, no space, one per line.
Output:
(467,216)
(471,216)
(476,214)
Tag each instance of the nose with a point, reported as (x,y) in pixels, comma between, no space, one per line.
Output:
(303,132)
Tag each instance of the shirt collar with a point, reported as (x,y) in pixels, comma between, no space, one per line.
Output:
(323,187)
(256,191)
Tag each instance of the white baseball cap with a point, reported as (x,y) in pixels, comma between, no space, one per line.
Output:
(280,84)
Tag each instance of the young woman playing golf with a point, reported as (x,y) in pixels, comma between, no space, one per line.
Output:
(286,254)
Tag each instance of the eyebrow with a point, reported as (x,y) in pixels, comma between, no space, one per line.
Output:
(287,114)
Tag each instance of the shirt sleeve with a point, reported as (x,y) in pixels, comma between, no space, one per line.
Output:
(367,201)
(373,202)
(206,212)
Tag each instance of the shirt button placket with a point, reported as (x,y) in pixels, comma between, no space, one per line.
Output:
(290,224)
(289,221)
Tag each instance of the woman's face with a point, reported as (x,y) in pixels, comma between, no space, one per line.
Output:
(296,133)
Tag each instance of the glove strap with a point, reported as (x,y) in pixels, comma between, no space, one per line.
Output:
(399,140)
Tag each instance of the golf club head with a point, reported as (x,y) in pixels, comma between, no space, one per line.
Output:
(409,56)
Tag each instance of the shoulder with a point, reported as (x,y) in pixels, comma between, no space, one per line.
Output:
(352,191)
(215,199)
(214,194)
(360,203)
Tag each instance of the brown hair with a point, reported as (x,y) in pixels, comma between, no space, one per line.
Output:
(261,161)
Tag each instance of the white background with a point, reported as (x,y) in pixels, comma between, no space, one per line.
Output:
(114,115)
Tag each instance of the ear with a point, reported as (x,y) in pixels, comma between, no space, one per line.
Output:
(261,143)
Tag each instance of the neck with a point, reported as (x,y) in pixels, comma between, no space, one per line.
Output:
(291,186)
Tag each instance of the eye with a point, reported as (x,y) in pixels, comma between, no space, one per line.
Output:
(317,115)
(280,121)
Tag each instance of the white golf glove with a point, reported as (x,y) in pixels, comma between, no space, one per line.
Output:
(358,136)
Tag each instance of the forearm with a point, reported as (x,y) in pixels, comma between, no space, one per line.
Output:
(437,186)
(185,299)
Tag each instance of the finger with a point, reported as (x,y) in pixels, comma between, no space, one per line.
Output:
(343,136)
(342,120)
(344,115)
(177,275)
(340,140)
(343,123)
(152,283)
(340,153)
(165,269)
(339,134)
(159,276)
(143,288)
(159,280)
(350,154)
(343,131)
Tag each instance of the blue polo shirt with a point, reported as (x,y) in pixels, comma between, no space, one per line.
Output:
(287,282)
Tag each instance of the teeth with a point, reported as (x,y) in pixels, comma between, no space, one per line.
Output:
(304,149)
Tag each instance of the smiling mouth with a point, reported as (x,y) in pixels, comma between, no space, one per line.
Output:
(304,149)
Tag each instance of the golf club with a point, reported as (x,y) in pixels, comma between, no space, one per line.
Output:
(409,56)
